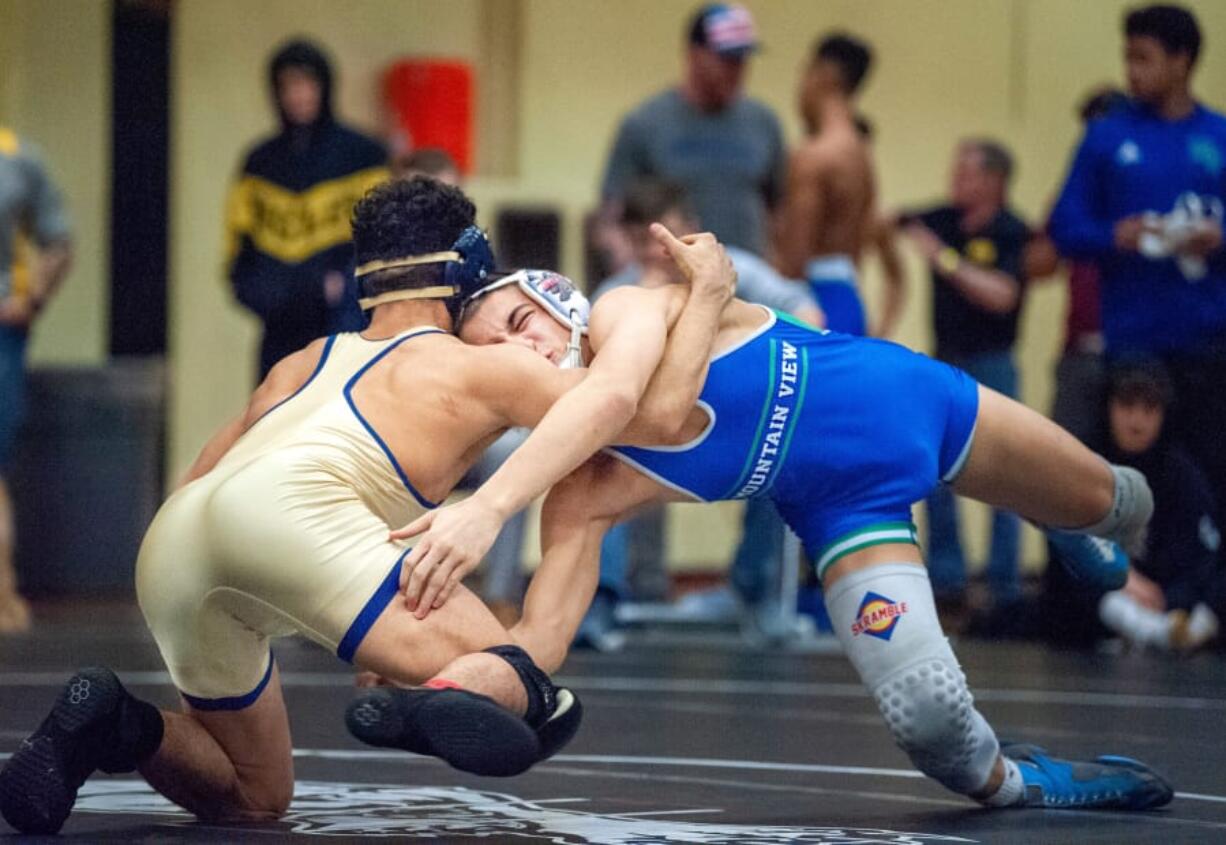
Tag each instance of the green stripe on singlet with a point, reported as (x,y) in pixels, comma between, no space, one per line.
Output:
(752,458)
(873,535)
(795,419)
(800,324)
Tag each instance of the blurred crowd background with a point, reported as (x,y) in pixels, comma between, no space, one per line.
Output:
(173,130)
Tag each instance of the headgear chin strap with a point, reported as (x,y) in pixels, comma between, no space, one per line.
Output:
(467,264)
(560,299)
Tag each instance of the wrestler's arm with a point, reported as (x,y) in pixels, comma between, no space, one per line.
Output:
(883,234)
(802,213)
(583,419)
(629,332)
(630,335)
(674,387)
(576,514)
(289,374)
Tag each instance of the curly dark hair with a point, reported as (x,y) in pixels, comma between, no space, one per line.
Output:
(405,217)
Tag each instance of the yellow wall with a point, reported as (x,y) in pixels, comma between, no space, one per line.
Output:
(945,68)
(55,90)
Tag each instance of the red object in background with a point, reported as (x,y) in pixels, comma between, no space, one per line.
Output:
(432,102)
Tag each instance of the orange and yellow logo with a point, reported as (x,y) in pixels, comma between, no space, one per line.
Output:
(878,616)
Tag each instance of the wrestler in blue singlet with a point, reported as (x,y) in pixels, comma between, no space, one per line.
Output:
(843,433)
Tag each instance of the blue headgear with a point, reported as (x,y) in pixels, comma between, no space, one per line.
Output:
(555,293)
(466,266)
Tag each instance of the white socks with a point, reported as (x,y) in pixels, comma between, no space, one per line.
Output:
(1012,788)
(1176,630)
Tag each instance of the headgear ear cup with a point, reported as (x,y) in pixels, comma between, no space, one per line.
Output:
(562,300)
(557,296)
(475,264)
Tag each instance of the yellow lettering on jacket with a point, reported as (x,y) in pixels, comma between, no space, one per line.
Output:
(292,226)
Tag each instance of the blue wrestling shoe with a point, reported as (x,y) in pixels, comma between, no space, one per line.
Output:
(1091,560)
(1109,782)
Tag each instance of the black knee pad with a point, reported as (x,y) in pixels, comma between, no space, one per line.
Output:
(542,694)
(553,712)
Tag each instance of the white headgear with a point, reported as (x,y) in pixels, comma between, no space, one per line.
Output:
(559,297)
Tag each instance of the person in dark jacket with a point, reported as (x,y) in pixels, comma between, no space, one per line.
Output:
(1166,602)
(1175,586)
(287,218)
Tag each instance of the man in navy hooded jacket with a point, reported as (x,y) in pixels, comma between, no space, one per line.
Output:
(1144,199)
(287,217)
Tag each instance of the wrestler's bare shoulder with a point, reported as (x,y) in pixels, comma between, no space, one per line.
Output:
(445,355)
(829,153)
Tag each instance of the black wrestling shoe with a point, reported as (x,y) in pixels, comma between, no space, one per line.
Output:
(39,784)
(471,732)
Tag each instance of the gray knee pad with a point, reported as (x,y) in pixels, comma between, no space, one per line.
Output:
(886,620)
(1127,521)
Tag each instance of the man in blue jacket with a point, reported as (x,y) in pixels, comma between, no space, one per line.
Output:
(1144,199)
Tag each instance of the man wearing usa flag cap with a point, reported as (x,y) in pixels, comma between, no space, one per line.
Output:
(726,148)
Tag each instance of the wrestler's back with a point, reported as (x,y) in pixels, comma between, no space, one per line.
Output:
(289,531)
(847,186)
(381,416)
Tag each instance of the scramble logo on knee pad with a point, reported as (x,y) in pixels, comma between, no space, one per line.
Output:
(916,681)
(878,616)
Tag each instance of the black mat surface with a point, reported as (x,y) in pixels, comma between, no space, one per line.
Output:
(680,744)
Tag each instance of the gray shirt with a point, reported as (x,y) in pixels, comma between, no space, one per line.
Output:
(30,207)
(732,163)
(756,281)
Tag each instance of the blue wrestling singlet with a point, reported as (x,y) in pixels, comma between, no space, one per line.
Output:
(845,434)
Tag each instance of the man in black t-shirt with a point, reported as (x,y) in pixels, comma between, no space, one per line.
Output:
(974,247)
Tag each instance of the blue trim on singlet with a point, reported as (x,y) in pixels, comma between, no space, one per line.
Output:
(235,702)
(370,611)
(348,391)
(842,433)
(323,358)
(717,465)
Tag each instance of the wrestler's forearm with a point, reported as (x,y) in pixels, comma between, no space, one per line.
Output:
(54,263)
(561,589)
(895,297)
(582,421)
(991,290)
(674,388)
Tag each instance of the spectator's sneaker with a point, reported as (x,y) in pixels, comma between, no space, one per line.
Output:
(1109,782)
(39,784)
(598,630)
(1192,631)
(768,623)
(720,604)
(1091,560)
